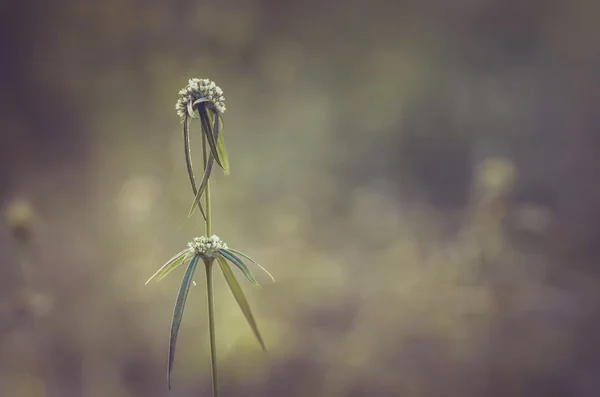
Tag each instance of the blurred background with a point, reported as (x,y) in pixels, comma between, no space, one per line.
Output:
(419,176)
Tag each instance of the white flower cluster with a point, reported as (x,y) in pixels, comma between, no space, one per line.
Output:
(196,89)
(206,245)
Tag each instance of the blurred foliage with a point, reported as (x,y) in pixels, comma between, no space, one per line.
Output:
(420,178)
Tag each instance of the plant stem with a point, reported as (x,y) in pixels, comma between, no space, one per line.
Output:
(207,192)
(211,328)
(209,281)
(209,263)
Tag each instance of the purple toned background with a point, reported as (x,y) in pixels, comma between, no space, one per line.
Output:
(421,178)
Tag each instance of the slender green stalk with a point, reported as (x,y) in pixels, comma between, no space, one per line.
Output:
(208,264)
(207,192)
(209,281)
(211,328)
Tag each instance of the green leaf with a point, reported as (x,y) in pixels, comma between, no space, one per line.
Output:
(253,261)
(210,134)
(188,161)
(221,121)
(186,283)
(221,145)
(233,258)
(172,267)
(202,187)
(170,264)
(239,296)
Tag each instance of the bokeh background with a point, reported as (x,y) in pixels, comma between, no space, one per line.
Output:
(421,177)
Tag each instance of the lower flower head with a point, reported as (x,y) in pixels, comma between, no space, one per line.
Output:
(206,245)
(197,89)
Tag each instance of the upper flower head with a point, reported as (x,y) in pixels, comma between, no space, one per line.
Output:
(206,245)
(196,89)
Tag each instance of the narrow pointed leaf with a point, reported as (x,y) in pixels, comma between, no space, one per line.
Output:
(233,258)
(253,261)
(221,122)
(173,266)
(210,134)
(186,283)
(188,161)
(178,258)
(198,199)
(239,296)
(221,145)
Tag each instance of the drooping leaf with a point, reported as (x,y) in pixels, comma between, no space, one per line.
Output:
(198,199)
(253,261)
(186,283)
(223,154)
(221,122)
(193,107)
(233,258)
(191,112)
(177,259)
(218,126)
(210,133)
(199,101)
(188,161)
(239,296)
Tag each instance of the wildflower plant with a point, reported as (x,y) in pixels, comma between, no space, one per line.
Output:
(203,100)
